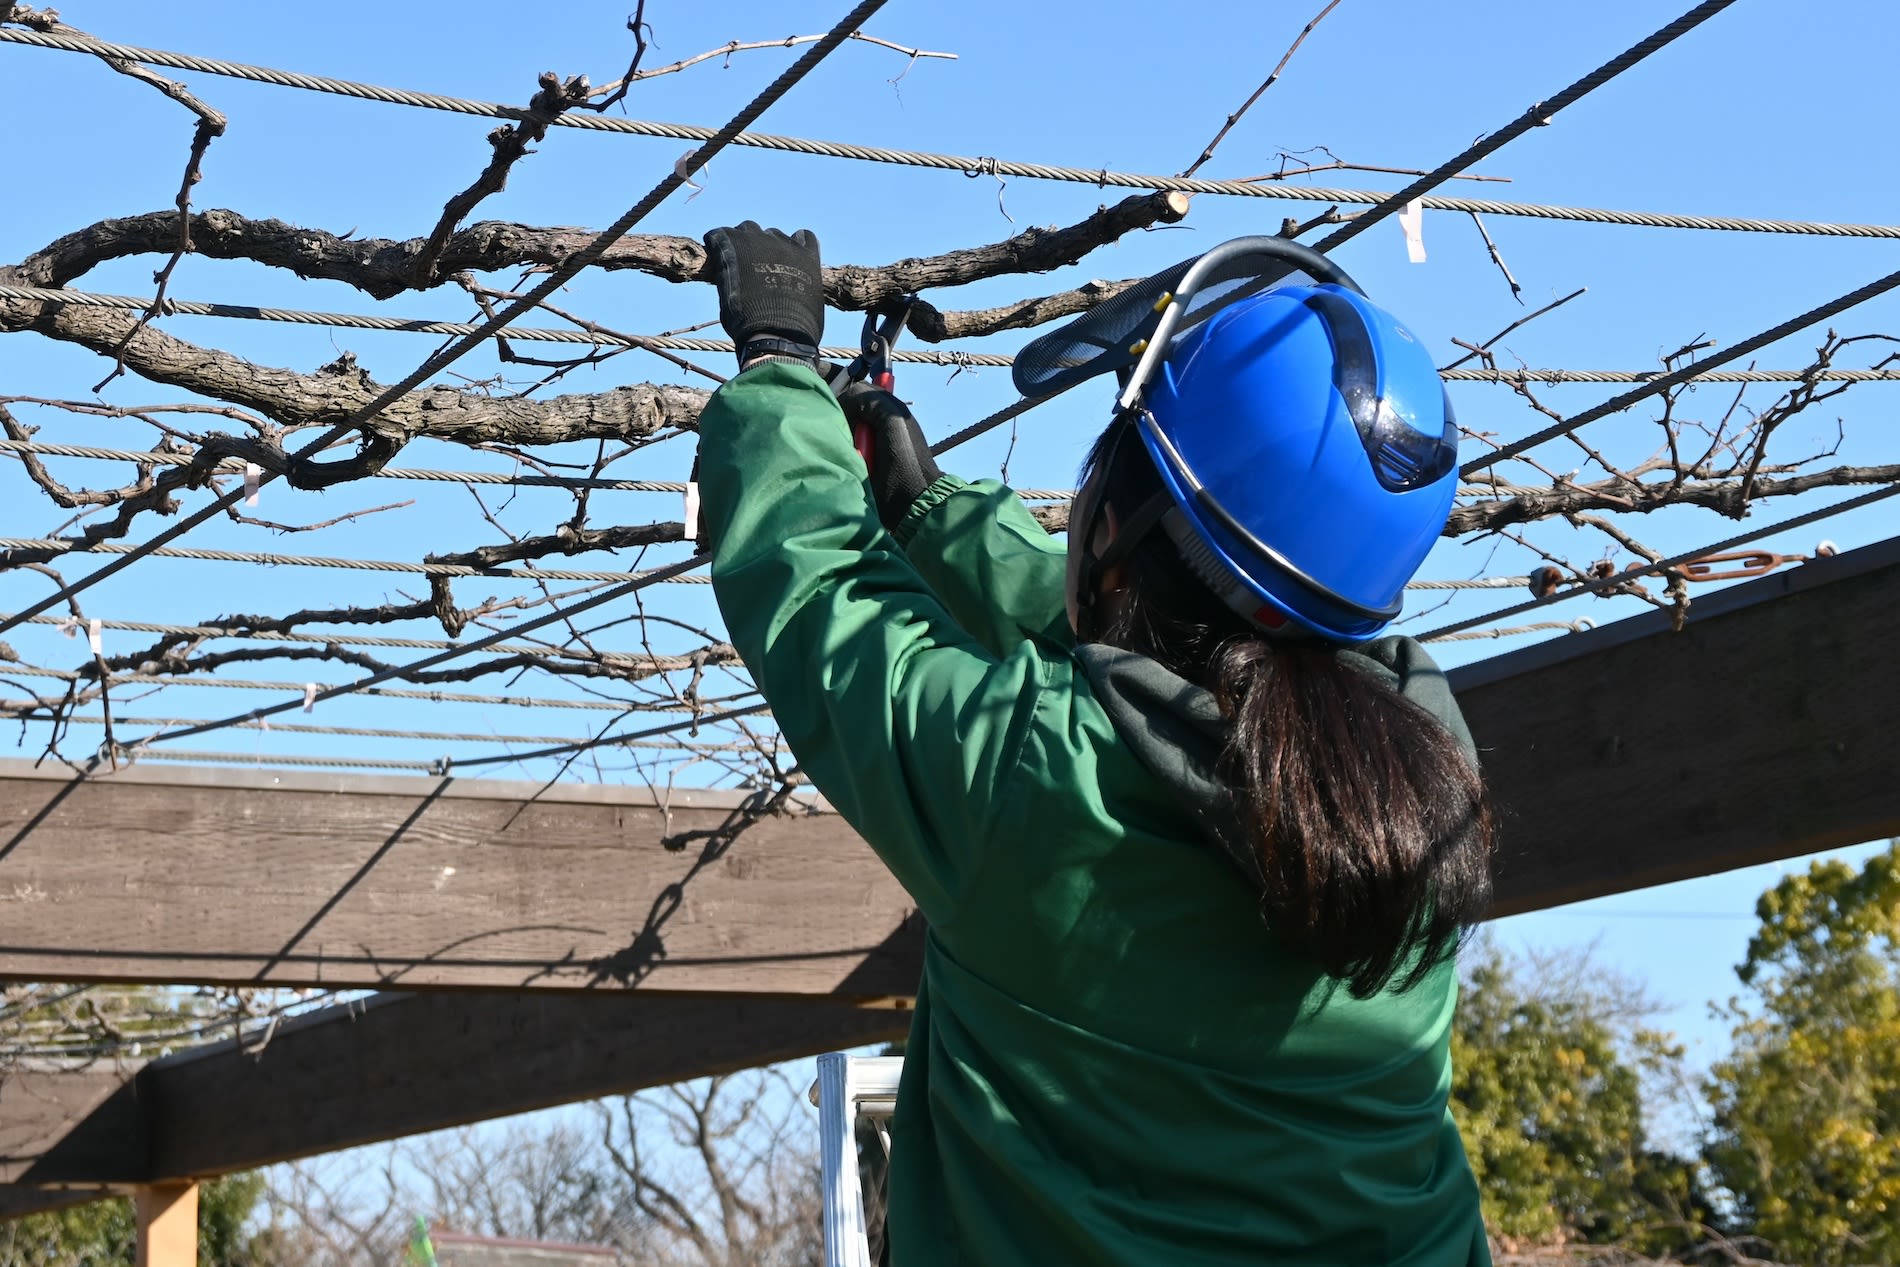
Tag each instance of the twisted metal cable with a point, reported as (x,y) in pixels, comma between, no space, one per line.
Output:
(1541,626)
(669,574)
(967,164)
(288,759)
(1604,585)
(68,545)
(1386,204)
(943,358)
(1557,377)
(659,663)
(23,710)
(235,466)
(430,661)
(1675,378)
(297,688)
(558,277)
(614,741)
(1472,583)
(1537,116)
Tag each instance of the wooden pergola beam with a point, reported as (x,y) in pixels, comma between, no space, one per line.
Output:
(392,1066)
(1618,756)
(239,877)
(1625,757)
(1632,756)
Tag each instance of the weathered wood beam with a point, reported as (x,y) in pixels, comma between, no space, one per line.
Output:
(1632,756)
(88,1118)
(392,1066)
(233,876)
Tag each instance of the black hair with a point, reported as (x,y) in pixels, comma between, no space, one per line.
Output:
(1370,825)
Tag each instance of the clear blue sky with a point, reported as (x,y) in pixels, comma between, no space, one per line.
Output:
(1769,110)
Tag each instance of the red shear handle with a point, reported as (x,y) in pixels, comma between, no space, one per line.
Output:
(883,380)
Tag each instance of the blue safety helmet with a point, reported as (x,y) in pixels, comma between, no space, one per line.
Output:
(1311,453)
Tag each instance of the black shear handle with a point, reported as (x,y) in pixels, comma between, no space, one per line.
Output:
(873,364)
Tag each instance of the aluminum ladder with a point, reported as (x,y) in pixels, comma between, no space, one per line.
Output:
(848,1088)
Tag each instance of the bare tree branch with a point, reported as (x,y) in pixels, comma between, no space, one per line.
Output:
(384,268)
(1232,119)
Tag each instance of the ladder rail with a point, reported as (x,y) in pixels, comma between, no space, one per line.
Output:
(849,1086)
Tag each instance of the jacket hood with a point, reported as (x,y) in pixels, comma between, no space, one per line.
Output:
(1175,728)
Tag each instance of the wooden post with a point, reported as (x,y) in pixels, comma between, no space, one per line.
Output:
(168,1225)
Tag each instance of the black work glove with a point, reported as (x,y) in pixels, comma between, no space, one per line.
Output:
(900,461)
(771,290)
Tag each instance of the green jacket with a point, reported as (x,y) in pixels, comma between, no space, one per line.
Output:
(1112,1061)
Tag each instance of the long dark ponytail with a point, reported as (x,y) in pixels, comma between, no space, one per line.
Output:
(1370,825)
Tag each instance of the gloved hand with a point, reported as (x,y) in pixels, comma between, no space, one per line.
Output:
(771,290)
(900,461)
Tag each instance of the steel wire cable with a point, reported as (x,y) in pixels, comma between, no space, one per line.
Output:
(1537,116)
(25,710)
(557,277)
(1688,373)
(613,741)
(1541,626)
(65,545)
(267,559)
(945,358)
(1533,117)
(1385,205)
(235,466)
(1606,584)
(661,663)
(298,688)
(313,761)
(430,661)
(964,163)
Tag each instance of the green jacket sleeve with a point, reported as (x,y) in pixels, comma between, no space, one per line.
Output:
(999,574)
(910,726)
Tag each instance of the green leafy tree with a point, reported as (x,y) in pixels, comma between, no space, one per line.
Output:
(1806,1135)
(104,1233)
(1549,1064)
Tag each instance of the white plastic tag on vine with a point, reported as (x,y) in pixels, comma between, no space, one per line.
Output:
(1412,220)
(691,512)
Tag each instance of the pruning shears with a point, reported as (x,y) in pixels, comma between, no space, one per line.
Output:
(873,362)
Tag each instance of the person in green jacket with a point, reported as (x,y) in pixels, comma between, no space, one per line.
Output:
(1195,848)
